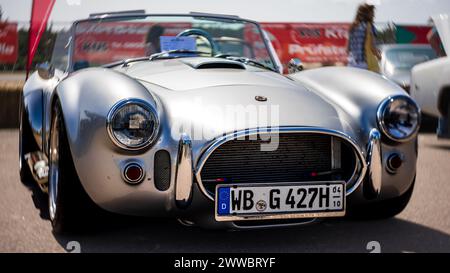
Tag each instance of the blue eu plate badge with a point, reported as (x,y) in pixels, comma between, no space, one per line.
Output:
(223,203)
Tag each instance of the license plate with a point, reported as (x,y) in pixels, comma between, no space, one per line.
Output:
(257,202)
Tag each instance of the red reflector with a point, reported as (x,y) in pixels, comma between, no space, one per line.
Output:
(220,179)
(396,161)
(313,174)
(133,173)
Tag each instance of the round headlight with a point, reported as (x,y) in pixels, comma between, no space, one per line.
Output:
(399,118)
(132,124)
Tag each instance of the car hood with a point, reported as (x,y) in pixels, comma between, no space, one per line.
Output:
(196,73)
(221,100)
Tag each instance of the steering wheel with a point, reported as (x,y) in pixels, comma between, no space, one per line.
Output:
(204,34)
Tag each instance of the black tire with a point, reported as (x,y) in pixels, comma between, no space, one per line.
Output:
(382,209)
(27,144)
(73,207)
(448,119)
(443,130)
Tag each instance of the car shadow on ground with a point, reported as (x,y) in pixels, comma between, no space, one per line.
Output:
(441,146)
(116,233)
(39,198)
(132,234)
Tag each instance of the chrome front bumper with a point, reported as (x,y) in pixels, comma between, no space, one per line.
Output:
(368,188)
(186,198)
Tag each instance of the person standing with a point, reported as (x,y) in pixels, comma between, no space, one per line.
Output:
(152,41)
(362,51)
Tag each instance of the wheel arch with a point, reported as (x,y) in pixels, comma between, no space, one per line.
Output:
(25,125)
(356,92)
(31,104)
(87,96)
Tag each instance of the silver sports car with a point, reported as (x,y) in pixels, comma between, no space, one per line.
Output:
(150,115)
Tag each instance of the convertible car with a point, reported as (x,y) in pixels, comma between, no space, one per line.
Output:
(151,115)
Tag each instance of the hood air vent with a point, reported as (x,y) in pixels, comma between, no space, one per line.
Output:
(211,63)
(221,65)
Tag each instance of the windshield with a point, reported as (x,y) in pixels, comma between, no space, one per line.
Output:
(406,58)
(102,41)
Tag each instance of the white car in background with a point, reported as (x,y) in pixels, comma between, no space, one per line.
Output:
(430,84)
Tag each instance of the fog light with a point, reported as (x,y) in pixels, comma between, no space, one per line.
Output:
(133,173)
(394,162)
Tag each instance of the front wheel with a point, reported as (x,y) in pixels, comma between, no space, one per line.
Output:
(69,205)
(383,209)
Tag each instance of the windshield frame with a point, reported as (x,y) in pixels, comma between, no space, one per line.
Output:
(100,18)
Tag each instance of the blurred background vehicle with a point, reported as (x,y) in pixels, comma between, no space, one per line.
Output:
(397,60)
(430,85)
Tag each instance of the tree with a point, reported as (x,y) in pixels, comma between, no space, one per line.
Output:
(386,35)
(43,52)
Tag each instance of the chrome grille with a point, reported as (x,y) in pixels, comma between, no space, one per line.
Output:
(299,157)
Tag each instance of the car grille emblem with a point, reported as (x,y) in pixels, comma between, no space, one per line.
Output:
(260,98)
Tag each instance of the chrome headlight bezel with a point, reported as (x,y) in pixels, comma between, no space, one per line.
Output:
(125,103)
(381,112)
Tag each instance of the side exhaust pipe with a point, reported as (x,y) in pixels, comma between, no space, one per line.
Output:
(38,164)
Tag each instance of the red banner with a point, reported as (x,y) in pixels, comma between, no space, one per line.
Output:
(310,42)
(40,12)
(9,43)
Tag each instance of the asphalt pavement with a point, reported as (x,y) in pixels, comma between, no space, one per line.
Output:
(424,226)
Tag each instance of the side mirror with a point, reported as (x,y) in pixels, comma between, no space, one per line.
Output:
(295,65)
(45,70)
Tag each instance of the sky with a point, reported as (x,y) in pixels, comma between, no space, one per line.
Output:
(398,11)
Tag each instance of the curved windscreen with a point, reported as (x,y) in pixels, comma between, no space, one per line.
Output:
(102,41)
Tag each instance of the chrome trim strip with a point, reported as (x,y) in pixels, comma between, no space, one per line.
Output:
(336,154)
(276,130)
(382,108)
(184,172)
(267,226)
(294,215)
(117,107)
(374,164)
